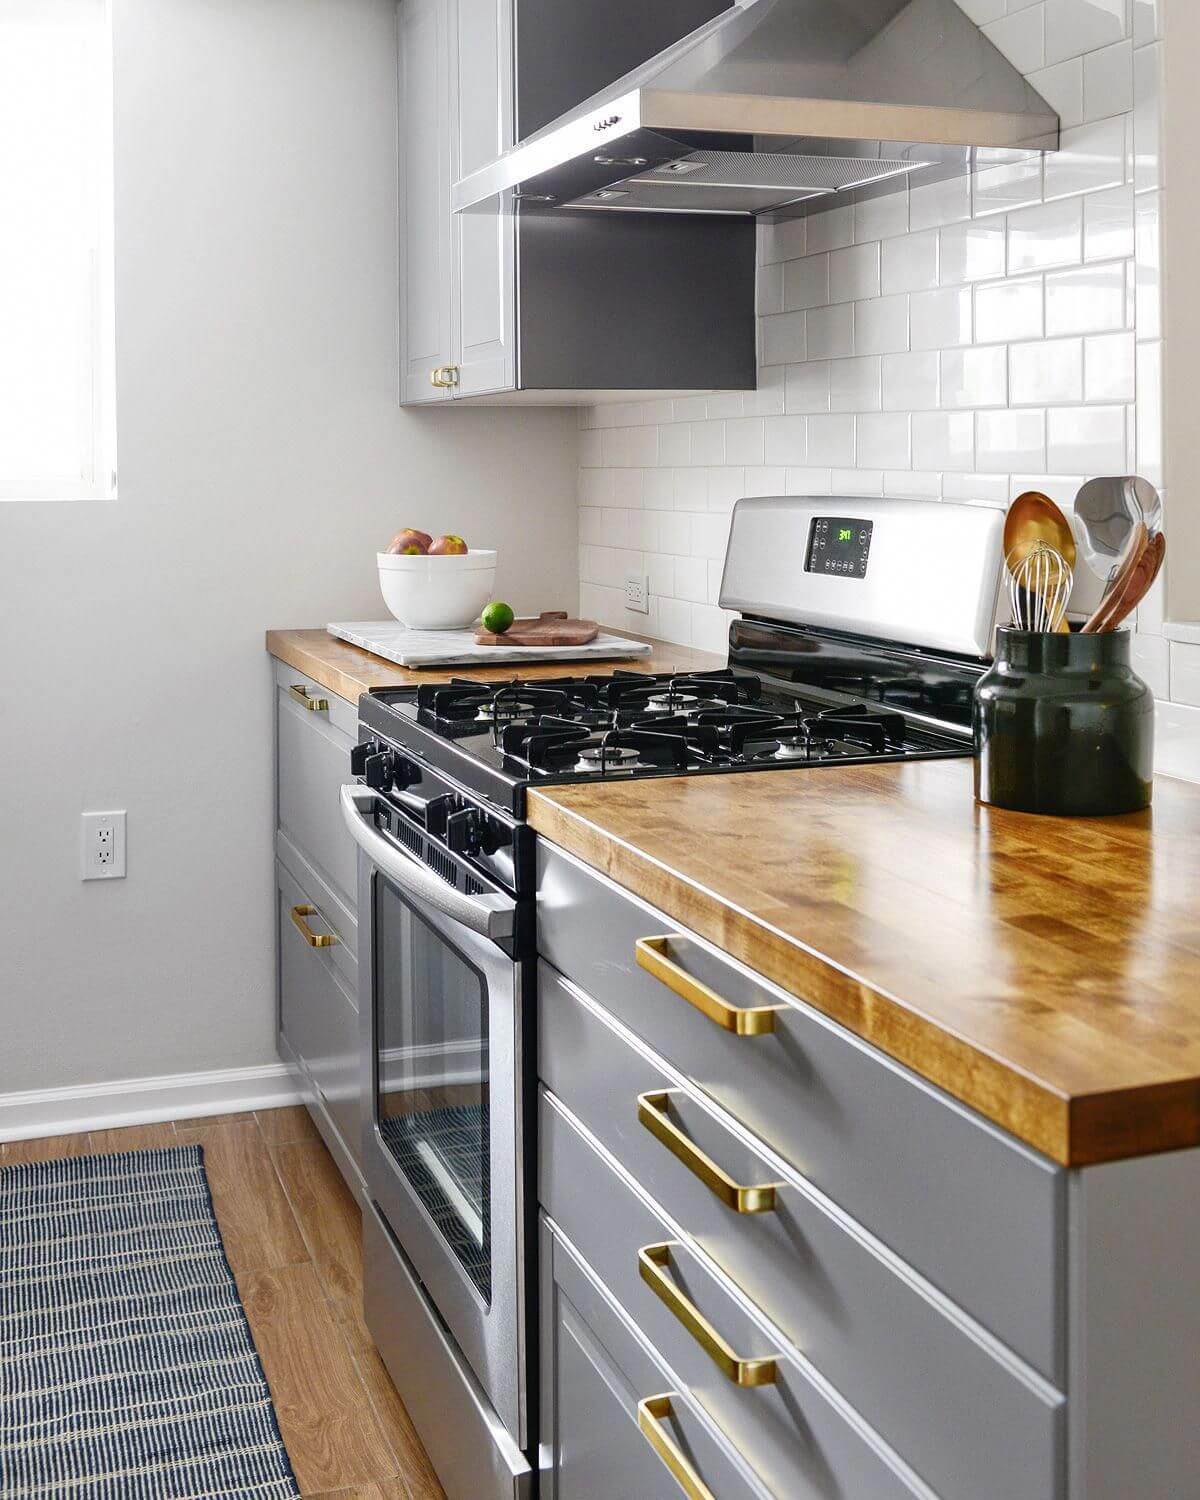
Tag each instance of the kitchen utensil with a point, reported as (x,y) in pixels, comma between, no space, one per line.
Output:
(551,628)
(1135,548)
(437,593)
(1033,518)
(1039,588)
(1142,581)
(1063,725)
(1106,511)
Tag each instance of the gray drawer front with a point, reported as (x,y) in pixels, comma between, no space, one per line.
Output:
(973,1210)
(317,1018)
(798,1435)
(595,1369)
(861,1319)
(313,751)
(333,915)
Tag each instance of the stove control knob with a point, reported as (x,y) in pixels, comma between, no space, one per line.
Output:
(359,754)
(462,832)
(377,769)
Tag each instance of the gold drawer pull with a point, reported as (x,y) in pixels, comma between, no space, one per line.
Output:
(654,1261)
(314,705)
(313,939)
(750,1198)
(653,956)
(653,1413)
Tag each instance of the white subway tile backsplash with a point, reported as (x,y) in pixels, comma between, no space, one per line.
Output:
(910,264)
(855,384)
(940,319)
(943,440)
(1046,374)
(831,230)
(1013,309)
(975,377)
(936,203)
(883,440)
(854,273)
(1074,27)
(911,381)
(964,339)
(1108,225)
(971,252)
(787,439)
(1089,300)
(1086,440)
(881,326)
(1109,367)
(806,387)
(879,218)
(806,282)
(708,442)
(1092,158)
(831,331)
(783,341)
(1050,235)
(744,441)
(1108,81)
(831,441)
(1009,441)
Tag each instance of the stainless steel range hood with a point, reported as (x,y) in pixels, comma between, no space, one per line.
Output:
(777,106)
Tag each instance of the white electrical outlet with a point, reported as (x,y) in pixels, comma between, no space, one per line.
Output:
(637,593)
(102,849)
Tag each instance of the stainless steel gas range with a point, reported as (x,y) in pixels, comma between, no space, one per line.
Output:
(865,625)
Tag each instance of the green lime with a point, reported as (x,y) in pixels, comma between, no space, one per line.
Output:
(497,617)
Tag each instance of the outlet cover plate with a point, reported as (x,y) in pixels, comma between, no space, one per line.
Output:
(102,846)
(637,593)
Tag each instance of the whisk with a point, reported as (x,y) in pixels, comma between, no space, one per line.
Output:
(1039,588)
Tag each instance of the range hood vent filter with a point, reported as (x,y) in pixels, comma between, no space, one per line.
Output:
(697,183)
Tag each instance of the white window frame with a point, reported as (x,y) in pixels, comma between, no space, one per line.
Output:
(97,385)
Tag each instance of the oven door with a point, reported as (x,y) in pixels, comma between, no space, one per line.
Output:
(441,989)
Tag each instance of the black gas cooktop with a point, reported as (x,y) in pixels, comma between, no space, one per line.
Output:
(499,739)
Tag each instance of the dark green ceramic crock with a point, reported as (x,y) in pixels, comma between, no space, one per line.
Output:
(1063,725)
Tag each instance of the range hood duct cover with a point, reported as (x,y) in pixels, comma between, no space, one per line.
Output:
(902,86)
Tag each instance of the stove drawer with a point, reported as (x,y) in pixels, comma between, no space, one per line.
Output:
(973,1210)
(863,1320)
(801,1436)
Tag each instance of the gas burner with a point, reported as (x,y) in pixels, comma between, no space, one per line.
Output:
(798,747)
(598,759)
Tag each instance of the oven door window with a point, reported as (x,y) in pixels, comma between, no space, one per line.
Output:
(432,1078)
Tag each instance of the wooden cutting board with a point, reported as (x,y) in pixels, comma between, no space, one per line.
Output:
(551,628)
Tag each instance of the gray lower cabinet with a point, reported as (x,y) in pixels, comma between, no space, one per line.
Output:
(616,1423)
(316,893)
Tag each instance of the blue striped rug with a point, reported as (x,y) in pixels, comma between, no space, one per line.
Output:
(127,1367)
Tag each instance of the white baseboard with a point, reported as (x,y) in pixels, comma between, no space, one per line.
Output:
(141,1101)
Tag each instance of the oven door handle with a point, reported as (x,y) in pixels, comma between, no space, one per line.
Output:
(490,916)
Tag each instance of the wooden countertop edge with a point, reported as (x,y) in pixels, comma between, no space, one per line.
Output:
(1071,1131)
(367,673)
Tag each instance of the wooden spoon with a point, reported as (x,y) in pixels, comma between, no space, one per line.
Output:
(1131,562)
(1141,583)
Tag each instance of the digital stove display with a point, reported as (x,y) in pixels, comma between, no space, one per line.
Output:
(839,544)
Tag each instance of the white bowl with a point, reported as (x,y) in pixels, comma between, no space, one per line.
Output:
(437,593)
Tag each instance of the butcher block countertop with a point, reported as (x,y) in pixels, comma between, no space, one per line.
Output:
(1044,971)
(350,671)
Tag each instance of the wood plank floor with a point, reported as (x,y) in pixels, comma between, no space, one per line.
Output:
(293,1235)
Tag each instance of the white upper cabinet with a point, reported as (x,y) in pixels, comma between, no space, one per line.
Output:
(426,273)
(481,78)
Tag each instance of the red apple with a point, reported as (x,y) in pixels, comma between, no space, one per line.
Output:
(409,541)
(448,546)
